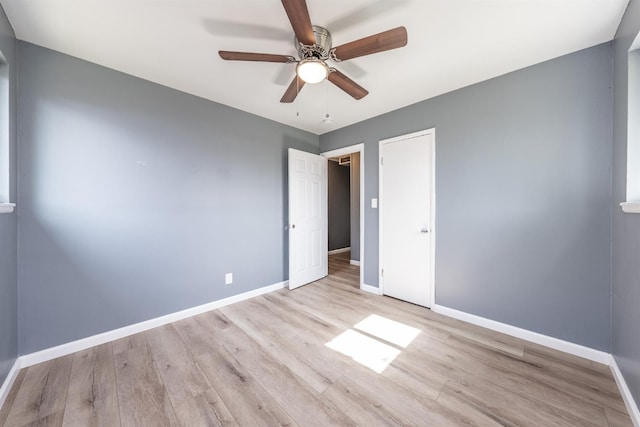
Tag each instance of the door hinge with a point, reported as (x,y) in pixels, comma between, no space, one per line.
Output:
(381,161)
(382,272)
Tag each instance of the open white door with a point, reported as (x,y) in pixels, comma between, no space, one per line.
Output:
(308,241)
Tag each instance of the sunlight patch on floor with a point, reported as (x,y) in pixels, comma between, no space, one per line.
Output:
(389,330)
(369,351)
(365,350)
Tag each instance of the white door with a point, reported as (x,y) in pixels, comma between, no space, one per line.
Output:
(406,217)
(308,243)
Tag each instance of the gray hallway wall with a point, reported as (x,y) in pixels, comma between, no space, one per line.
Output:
(625,330)
(354,196)
(136,199)
(338,206)
(523,194)
(8,222)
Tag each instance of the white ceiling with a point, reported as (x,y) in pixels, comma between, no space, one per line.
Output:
(452,44)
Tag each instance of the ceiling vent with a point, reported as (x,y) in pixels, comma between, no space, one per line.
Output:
(345,160)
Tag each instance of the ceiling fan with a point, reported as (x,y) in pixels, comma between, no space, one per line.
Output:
(313,44)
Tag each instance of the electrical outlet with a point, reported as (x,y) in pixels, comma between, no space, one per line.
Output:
(228,278)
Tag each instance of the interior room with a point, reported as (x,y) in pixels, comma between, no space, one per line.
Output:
(378,212)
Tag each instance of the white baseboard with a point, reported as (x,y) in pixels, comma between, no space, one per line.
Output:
(354,262)
(84,343)
(545,340)
(629,402)
(8,382)
(371,289)
(339,251)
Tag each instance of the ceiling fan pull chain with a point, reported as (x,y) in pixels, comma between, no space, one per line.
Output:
(326,91)
(327,117)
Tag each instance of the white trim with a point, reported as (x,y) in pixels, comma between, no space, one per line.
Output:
(8,382)
(357,148)
(339,251)
(354,262)
(633,131)
(433,219)
(636,43)
(7,207)
(371,289)
(629,402)
(545,340)
(84,343)
(630,207)
(432,226)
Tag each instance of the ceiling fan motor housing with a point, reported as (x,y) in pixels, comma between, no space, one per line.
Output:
(320,50)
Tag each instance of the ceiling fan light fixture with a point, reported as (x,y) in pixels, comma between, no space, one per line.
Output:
(312,70)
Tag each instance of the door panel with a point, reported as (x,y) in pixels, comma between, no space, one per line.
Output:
(405,218)
(308,260)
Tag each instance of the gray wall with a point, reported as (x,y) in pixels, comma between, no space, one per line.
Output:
(625,335)
(338,206)
(354,170)
(523,194)
(8,225)
(136,199)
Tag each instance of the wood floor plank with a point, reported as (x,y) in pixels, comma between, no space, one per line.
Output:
(11,397)
(363,406)
(474,414)
(301,402)
(504,404)
(412,403)
(306,357)
(192,397)
(92,395)
(52,420)
(180,375)
(142,396)
(303,322)
(571,360)
(249,403)
(338,314)
(43,392)
(309,334)
(617,418)
(197,333)
(536,373)
(205,409)
(459,362)
(564,368)
(129,343)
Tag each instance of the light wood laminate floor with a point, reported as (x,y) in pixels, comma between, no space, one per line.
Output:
(324,354)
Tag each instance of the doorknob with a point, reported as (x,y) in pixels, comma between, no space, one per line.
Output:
(424,231)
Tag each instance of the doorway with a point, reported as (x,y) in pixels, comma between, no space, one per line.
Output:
(407,217)
(349,259)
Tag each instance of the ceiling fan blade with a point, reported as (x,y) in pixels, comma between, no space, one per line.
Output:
(387,40)
(299,17)
(293,90)
(259,57)
(346,84)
